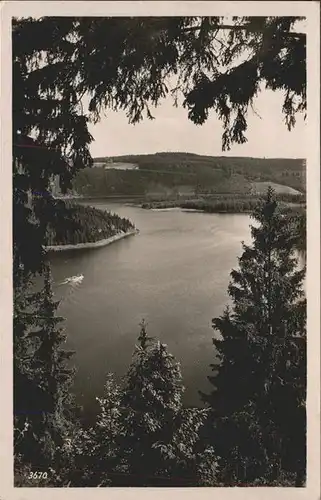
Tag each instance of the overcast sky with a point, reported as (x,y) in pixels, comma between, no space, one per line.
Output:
(173,131)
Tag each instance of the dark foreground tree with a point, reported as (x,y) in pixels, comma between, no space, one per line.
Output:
(160,438)
(44,407)
(261,348)
(152,396)
(100,458)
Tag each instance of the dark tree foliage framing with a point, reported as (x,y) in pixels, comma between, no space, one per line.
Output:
(43,405)
(261,348)
(66,73)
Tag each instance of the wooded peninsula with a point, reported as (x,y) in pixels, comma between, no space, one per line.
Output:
(77,224)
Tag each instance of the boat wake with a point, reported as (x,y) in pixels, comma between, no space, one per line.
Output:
(73,280)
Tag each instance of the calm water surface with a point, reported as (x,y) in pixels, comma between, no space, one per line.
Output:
(174,274)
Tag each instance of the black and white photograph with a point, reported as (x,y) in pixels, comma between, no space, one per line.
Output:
(159,248)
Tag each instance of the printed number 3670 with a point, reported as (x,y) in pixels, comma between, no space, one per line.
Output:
(38,475)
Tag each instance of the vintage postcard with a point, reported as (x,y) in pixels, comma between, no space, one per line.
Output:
(160,273)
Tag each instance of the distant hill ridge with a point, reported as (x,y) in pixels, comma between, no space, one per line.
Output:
(166,174)
(295,162)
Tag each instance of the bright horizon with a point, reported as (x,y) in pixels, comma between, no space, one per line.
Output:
(172,131)
(200,154)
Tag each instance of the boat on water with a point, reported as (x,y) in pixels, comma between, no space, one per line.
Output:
(73,279)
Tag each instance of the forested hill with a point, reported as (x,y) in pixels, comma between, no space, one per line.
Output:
(76,224)
(166,174)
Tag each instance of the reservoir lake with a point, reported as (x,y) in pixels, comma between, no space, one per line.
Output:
(174,274)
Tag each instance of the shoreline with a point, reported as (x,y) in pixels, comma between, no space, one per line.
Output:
(91,244)
(208,210)
(195,210)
